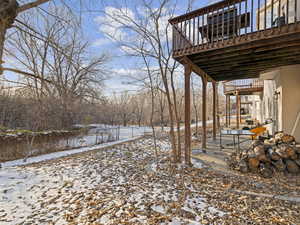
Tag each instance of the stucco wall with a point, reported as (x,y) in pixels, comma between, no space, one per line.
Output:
(271,106)
(290,78)
(286,82)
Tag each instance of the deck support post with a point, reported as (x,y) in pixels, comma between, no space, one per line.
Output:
(229,111)
(240,100)
(226,111)
(204,102)
(214,110)
(217,108)
(238,110)
(187,113)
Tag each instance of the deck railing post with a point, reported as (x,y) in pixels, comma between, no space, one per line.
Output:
(187,113)
(252,15)
(287,11)
(295,10)
(265,15)
(272,12)
(258,16)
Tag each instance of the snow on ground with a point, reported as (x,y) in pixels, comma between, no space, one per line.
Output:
(113,186)
(125,185)
(92,138)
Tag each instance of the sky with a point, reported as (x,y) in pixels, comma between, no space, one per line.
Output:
(120,66)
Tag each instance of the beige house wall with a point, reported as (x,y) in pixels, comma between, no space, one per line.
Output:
(284,83)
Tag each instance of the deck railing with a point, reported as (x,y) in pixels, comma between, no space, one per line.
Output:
(249,85)
(231,19)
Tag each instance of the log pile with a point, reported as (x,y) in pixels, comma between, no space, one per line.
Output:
(279,153)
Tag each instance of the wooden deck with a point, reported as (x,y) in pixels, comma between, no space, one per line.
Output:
(229,48)
(243,87)
(231,40)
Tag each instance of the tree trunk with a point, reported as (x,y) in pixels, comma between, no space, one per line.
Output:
(195,107)
(177,119)
(8,13)
(2,39)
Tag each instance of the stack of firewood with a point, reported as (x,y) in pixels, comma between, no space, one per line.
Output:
(266,157)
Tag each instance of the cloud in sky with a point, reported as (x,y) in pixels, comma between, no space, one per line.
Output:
(113,21)
(100,42)
(122,24)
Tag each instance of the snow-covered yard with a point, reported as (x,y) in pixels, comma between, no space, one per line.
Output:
(123,185)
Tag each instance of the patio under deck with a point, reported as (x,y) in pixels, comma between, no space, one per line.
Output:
(239,88)
(234,39)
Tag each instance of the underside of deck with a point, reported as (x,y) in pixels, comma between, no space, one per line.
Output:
(248,55)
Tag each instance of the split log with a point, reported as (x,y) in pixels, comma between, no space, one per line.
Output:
(256,143)
(290,151)
(266,170)
(294,157)
(260,153)
(286,138)
(253,164)
(279,153)
(259,150)
(292,166)
(278,137)
(281,150)
(297,161)
(273,154)
(263,158)
(297,149)
(270,142)
(279,165)
(251,154)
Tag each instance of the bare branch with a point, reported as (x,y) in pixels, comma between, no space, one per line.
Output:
(31,5)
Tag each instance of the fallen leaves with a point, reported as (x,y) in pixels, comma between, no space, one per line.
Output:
(124,185)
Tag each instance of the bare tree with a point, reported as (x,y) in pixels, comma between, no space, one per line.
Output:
(9,9)
(152,28)
(60,65)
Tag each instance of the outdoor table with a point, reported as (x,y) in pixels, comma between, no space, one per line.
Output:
(234,133)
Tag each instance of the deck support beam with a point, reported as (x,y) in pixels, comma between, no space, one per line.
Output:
(214,84)
(196,69)
(187,113)
(204,102)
